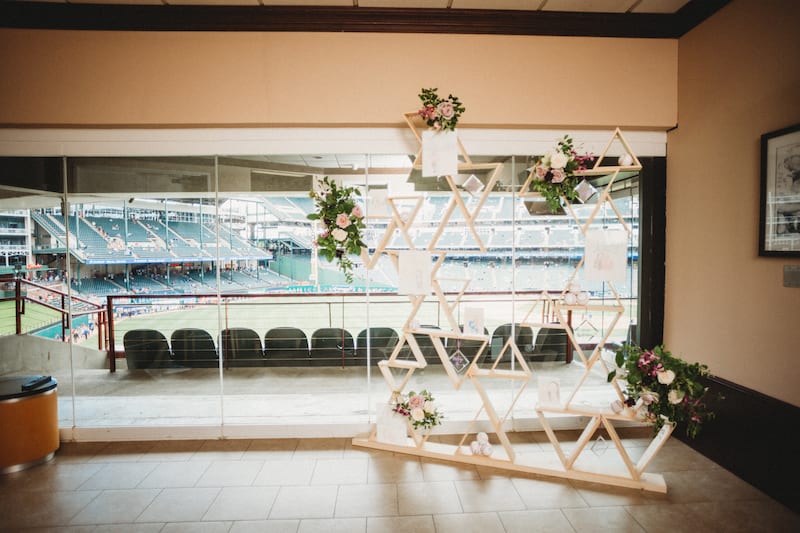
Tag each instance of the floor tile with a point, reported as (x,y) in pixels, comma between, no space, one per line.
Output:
(427,498)
(405,524)
(116,506)
(488,495)
(175,474)
(172,450)
(340,471)
(614,519)
(225,473)
(316,501)
(197,527)
(39,509)
(333,525)
(760,516)
(242,503)
(597,495)
(52,476)
(664,518)
(446,471)
(265,526)
(271,449)
(468,523)
(222,449)
(179,505)
(394,469)
(288,472)
(542,521)
(118,476)
(366,500)
(320,449)
(708,485)
(154,527)
(547,493)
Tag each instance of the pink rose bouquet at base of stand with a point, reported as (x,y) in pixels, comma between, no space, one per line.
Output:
(418,408)
(664,388)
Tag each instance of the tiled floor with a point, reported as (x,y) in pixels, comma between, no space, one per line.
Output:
(306,485)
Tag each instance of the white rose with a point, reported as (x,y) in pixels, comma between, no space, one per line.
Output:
(417,414)
(675,396)
(666,377)
(558,160)
(429,407)
(339,234)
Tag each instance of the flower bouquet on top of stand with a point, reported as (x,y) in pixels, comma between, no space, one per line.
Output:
(554,174)
(440,113)
(662,387)
(342,219)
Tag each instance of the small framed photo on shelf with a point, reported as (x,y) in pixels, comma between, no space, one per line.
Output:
(779,223)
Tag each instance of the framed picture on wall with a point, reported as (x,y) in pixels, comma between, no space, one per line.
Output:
(779,224)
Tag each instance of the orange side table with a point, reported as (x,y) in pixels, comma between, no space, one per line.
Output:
(28,421)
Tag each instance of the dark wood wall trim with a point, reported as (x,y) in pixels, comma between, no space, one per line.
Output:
(755,437)
(652,250)
(44,15)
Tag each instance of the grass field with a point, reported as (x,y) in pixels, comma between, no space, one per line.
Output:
(36,316)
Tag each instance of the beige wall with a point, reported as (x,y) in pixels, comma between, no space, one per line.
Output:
(738,78)
(185,78)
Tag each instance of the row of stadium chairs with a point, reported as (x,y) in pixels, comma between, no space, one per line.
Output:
(289,346)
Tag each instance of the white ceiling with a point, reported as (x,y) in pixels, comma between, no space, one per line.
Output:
(588,6)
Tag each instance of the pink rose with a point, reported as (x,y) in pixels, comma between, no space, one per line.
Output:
(416,402)
(540,172)
(428,112)
(342,220)
(357,212)
(446,109)
(558,175)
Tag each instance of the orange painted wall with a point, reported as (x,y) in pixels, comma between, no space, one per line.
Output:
(185,78)
(738,78)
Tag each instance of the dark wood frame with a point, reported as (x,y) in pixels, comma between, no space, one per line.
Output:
(770,143)
(121,17)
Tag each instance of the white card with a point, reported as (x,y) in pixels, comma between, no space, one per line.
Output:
(606,255)
(473,320)
(439,153)
(414,272)
(378,205)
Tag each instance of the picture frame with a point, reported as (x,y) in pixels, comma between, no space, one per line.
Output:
(779,214)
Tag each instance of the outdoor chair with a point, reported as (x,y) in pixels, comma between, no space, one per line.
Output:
(146,349)
(286,346)
(241,347)
(332,347)
(193,347)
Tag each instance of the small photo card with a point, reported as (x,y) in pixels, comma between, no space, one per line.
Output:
(414,272)
(439,153)
(473,320)
(606,255)
(390,427)
(378,204)
(549,390)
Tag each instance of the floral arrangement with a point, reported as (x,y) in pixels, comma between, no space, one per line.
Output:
(666,387)
(554,173)
(440,113)
(419,409)
(343,220)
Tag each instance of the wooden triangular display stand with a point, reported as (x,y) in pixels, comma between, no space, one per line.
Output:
(554,312)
